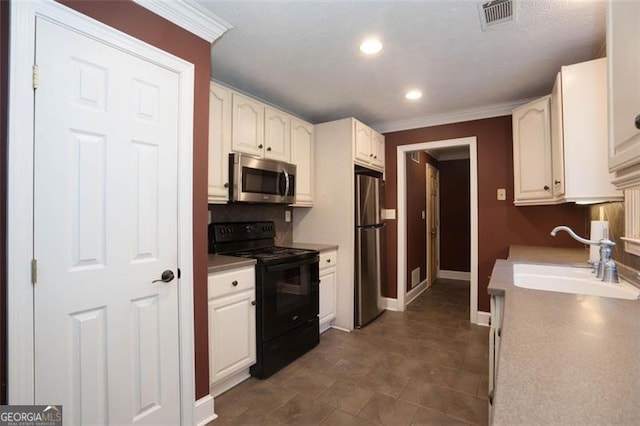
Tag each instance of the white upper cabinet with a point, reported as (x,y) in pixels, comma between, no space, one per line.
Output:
(302,157)
(584,132)
(378,149)
(277,135)
(238,123)
(260,130)
(560,141)
(532,152)
(362,147)
(219,143)
(368,147)
(248,125)
(557,139)
(623,53)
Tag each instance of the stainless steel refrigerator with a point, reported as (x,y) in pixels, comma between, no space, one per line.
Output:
(369,234)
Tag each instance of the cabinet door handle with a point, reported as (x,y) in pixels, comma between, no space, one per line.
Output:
(328,260)
(556,182)
(637,121)
(260,146)
(234,283)
(268,148)
(226,184)
(546,188)
(253,302)
(370,155)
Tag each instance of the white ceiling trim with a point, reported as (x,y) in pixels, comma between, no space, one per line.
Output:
(487,111)
(189,15)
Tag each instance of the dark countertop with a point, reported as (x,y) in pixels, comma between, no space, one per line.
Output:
(219,262)
(565,359)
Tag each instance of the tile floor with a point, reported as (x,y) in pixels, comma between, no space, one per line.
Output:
(425,366)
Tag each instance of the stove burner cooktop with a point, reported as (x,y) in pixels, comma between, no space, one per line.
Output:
(267,254)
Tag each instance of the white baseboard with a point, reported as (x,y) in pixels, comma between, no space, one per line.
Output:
(204,411)
(454,275)
(390,304)
(231,381)
(483,318)
(325,326)
(346,330)
(416,291)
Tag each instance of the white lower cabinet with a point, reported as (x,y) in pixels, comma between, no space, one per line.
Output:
(328,293)
(495,336)
(232,327)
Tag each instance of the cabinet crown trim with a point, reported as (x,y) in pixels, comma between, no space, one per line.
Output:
(189,15)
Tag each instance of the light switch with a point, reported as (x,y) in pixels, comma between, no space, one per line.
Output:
(424,214)
(287,215)
(502,194)
(388,214)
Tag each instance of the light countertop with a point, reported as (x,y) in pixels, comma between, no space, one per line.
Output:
(318,247)
(564,359)
(219,262)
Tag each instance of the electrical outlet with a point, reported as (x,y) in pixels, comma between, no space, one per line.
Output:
(502,194)
(424,214)
(287,215)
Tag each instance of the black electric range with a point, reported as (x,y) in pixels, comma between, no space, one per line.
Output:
(287,291)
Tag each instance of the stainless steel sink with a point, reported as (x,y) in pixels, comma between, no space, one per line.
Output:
(570,279)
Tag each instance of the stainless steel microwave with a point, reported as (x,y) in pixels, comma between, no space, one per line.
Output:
(259,180)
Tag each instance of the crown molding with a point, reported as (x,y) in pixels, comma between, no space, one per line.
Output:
(486,111)
(189,15)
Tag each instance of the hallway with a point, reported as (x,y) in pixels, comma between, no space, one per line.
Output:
(425,366)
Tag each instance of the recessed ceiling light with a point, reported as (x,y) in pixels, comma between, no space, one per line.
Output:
(371,46)
(413,95)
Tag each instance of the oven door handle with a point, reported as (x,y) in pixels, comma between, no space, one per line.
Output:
(289,265)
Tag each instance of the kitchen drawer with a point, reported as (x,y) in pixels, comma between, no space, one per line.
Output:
(328,259)
(229,282)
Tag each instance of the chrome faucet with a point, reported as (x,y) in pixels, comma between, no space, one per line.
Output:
(605,268)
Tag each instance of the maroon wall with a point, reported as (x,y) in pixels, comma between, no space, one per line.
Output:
(416,225)
(4,74)
(500,223)
(455,218)
(137,21)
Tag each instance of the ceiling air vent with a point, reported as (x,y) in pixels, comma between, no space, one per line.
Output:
(496,12)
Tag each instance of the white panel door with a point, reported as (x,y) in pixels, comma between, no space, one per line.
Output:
(105,227)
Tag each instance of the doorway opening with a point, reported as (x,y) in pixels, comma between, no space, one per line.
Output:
(469,143)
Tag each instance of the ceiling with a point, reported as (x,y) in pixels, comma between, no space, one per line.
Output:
(303,56)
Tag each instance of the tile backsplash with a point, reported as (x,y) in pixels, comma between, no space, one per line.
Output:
(255,212)
(614,213)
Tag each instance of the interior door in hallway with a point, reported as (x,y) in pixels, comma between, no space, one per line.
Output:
(432,224)
(105,227)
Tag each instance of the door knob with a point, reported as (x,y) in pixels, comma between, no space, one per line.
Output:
(637,123)
(166,277)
